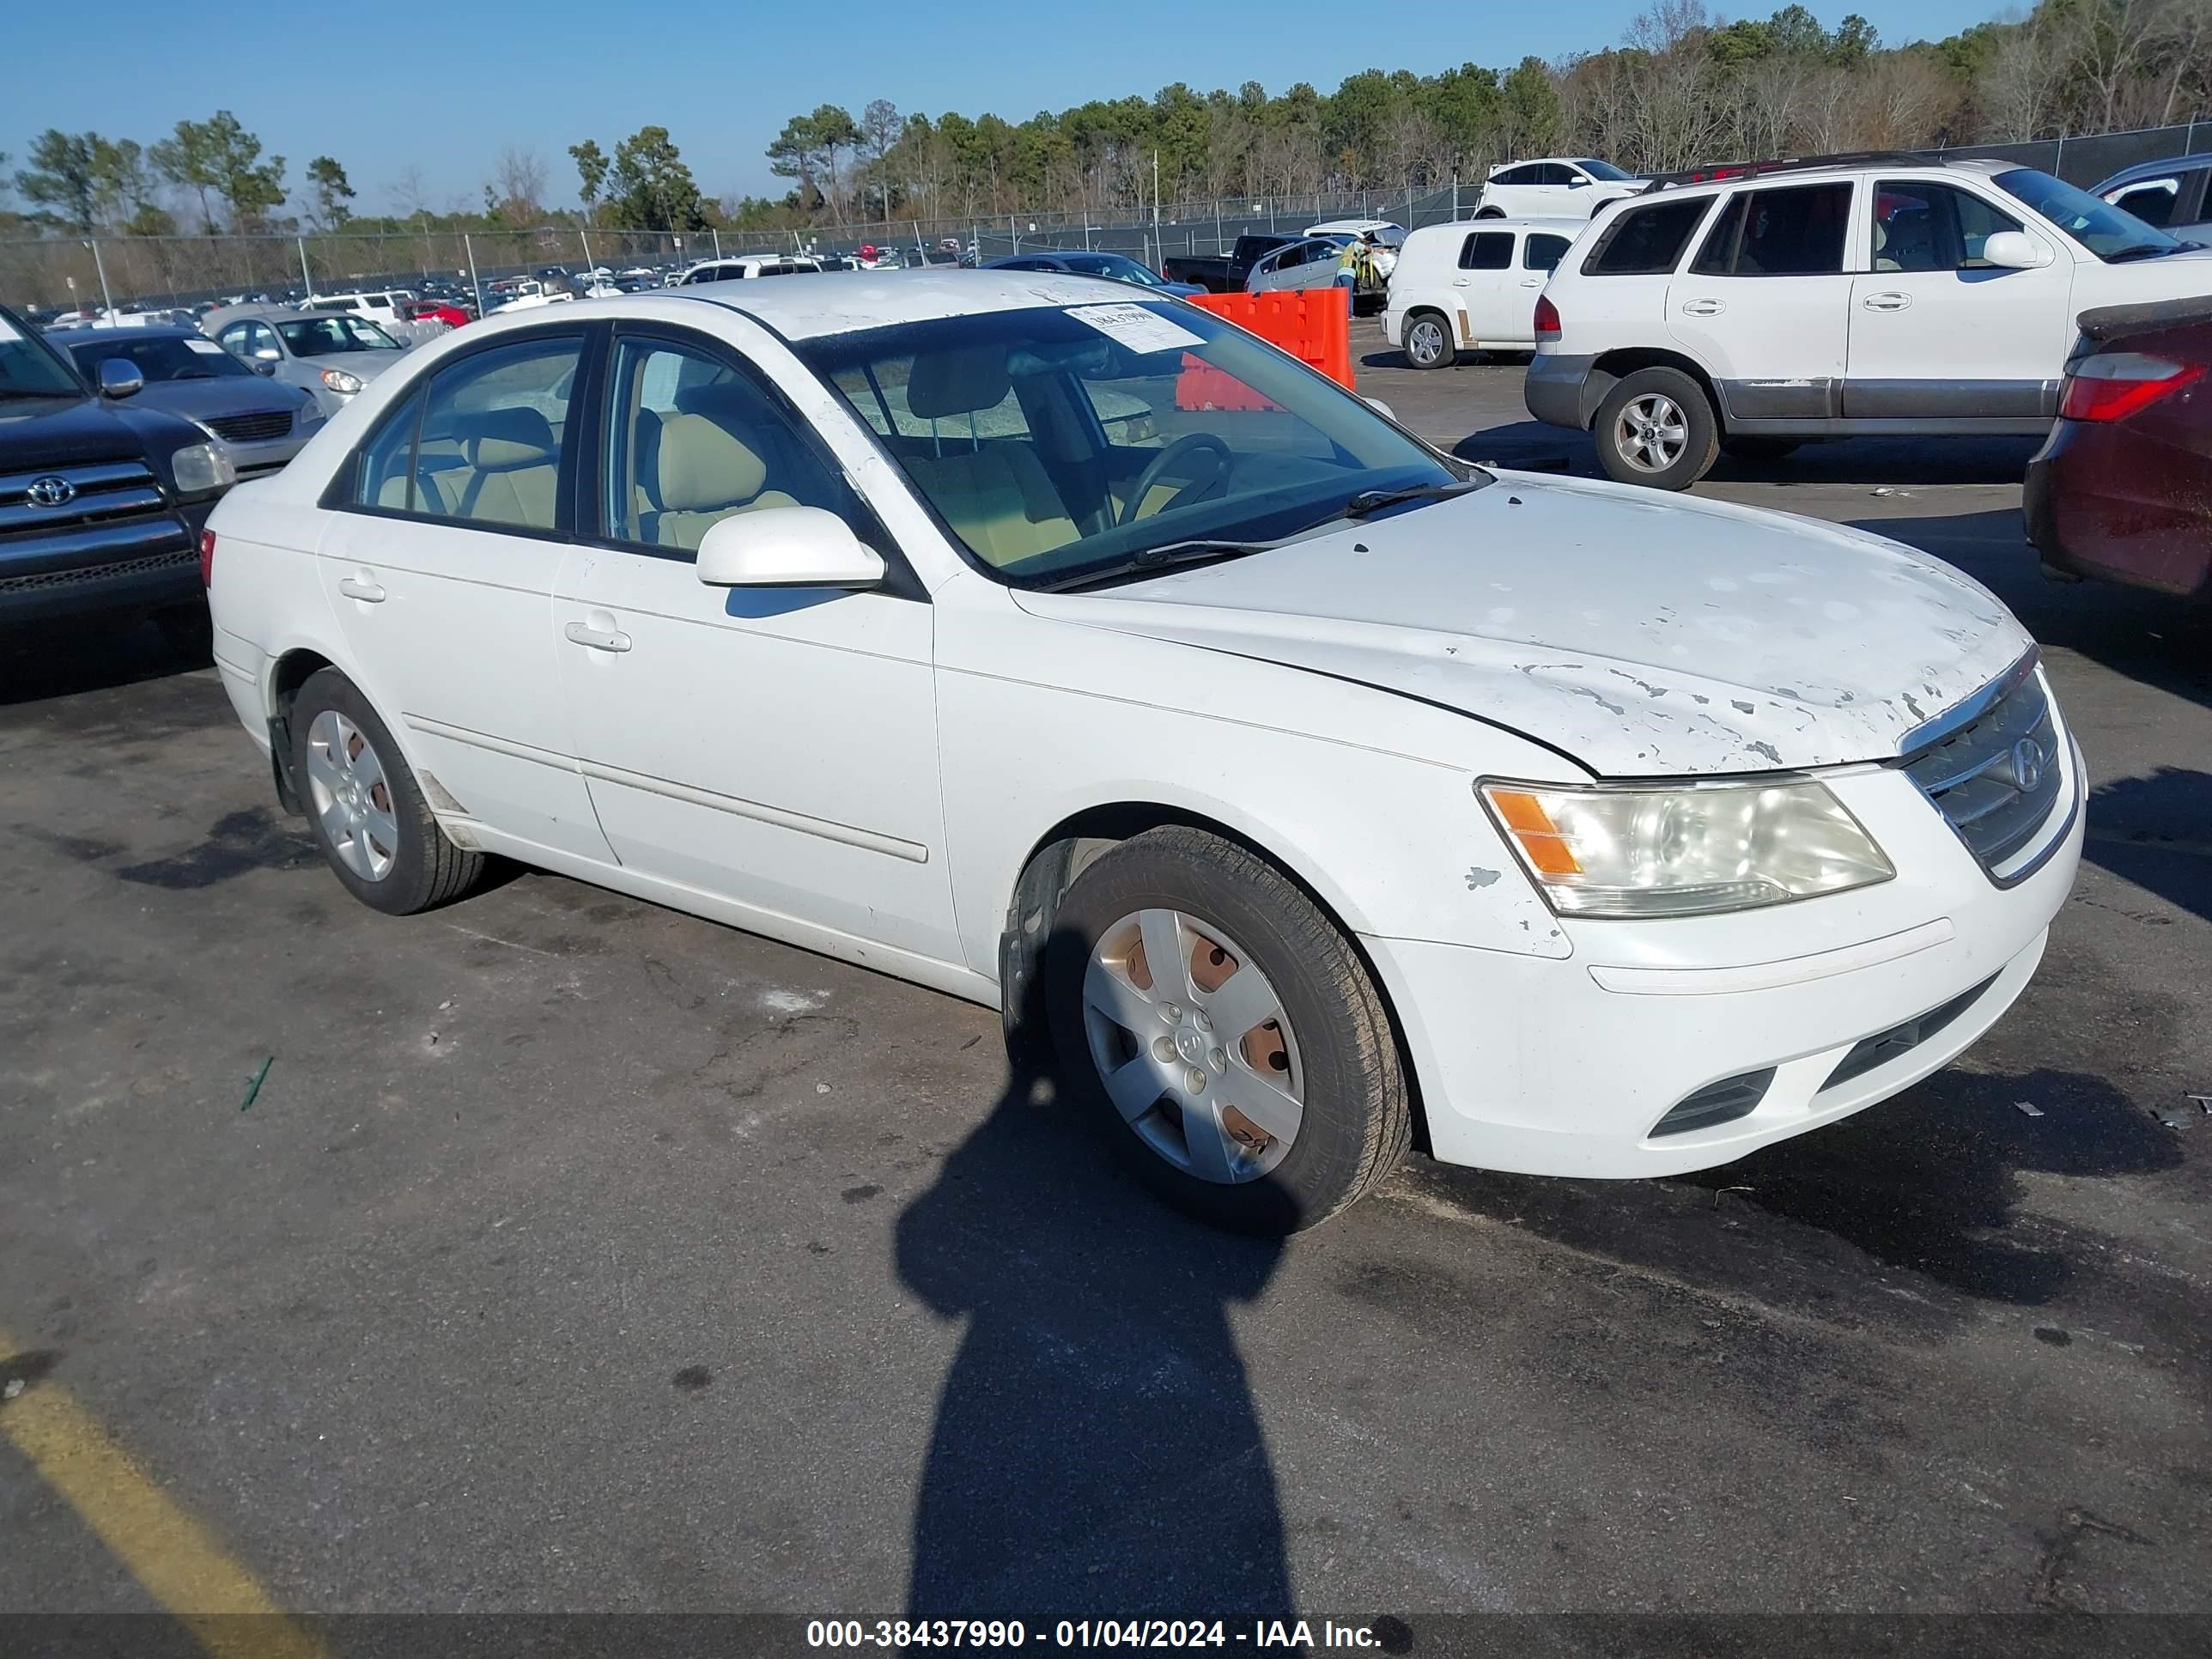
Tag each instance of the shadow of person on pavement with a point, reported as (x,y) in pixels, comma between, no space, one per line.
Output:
(1097,1452)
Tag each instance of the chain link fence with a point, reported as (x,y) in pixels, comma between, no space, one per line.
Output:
(183,270)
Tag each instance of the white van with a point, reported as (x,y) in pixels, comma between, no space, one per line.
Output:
(381,306)
(1473,287)
(739,266)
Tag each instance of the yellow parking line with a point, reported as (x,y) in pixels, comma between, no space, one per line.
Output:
(176,1560)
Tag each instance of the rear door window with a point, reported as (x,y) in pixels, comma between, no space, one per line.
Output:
(1646,240)
(1543,251)
(1486,249)
(1795,232)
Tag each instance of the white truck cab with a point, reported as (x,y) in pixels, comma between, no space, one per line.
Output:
(1473,287)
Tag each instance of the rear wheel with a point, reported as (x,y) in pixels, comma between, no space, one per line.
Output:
(1656,427)
(368,814)
(1429,341)
(1223,1034)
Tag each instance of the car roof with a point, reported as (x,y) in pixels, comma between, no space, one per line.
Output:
(85,335)
(846,301)
(2159,168)
(1570,228)
(1892,166)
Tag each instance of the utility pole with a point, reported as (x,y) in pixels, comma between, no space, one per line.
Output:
(474,287)
(100,265)
(307,281)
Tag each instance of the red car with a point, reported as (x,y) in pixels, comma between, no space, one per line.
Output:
(2122,489)
(433,311)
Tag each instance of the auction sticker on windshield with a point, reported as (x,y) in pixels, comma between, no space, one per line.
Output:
(208,347)
(1135,327)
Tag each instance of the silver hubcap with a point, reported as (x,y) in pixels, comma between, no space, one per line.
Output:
(351,796)
(1424,341)
(1652,432)
(1192,1046)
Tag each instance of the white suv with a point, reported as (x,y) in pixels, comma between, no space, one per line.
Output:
(1812,300)
(1557,187)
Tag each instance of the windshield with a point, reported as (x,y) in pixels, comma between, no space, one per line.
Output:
(165,357)
(2106,231)
(29,368)
(1605,170)
(1117,266)
(1054,442)
(326,336)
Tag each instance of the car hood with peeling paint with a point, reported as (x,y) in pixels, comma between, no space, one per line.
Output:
(1645,636)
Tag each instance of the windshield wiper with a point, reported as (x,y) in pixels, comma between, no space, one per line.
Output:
(1368,502)
(2142,251)
(38,391)
(1153,560)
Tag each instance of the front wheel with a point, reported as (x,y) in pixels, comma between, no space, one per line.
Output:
(1223,1034)
(368,815)
(1429,341)
(1656,427)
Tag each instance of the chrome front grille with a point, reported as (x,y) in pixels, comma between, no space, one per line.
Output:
(104,489)
(1998,777)
(254,428)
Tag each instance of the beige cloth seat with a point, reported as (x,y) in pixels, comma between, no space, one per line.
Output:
(995,494)
(693,473)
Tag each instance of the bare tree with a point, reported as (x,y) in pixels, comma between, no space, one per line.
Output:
(1901,103)
(519,184)
(410,192)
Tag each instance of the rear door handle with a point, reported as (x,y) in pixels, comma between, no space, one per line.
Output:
(1459,281)
(1704,307)
(599,639)
(1887,302)
(354,588)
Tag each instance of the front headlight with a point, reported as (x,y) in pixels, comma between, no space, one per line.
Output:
(1692,850)
(342,382)
(311,415)
(199,468)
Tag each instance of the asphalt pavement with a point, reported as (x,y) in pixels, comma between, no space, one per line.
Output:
(574,1255)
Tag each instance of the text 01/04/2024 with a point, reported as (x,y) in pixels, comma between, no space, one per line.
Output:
(1089,1634)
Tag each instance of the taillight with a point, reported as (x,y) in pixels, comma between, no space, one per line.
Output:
(207,558)
(1547,318)
(2114,385)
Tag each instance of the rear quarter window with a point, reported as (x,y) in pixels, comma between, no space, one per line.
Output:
(1648,240)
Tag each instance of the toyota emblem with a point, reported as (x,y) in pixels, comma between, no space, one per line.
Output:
(2027,764)
(51,490)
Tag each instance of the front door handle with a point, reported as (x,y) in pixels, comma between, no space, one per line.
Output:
(1533,281)
(1704,307)
(599,639)
(1887,302)
(359,587)
(1459,281)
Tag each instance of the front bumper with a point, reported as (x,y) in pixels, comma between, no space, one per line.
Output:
(1564,1066)
(1558,391)
(149,563)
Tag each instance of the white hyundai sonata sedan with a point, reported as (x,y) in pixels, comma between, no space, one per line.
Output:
(1302,791)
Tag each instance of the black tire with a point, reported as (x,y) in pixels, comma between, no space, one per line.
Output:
(1435,348)
(1698,445)
(1357,1122)
(1490,213)
(1758,452)
(427,870)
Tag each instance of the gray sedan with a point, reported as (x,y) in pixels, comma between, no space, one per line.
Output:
(1313,261)
(331,356)
(258,424)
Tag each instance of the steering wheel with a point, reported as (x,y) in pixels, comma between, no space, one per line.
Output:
(1160,463)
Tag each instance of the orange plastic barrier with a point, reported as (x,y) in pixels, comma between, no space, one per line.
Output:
(1314,325)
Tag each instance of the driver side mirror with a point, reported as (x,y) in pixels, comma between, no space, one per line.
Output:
(120,378)
(2014,250)
(261,365)
(787,547)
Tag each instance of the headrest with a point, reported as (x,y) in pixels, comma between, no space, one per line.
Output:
(702,466)
(957,382)
(501,439)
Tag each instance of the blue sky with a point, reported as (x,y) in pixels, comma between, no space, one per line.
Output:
(722,77)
